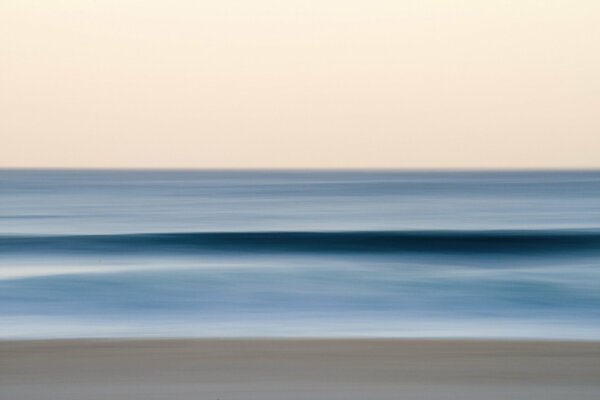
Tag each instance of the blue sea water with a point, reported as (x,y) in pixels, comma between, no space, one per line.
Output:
(299,253)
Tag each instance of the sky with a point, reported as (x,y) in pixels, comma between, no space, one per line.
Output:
(300,84)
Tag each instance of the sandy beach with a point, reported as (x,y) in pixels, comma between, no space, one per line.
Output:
(265,369)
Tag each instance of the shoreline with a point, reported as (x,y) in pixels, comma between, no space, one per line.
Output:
(298,369)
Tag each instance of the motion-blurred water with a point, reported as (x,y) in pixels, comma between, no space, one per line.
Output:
(229,253)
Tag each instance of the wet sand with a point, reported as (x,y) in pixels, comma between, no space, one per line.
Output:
(265,369)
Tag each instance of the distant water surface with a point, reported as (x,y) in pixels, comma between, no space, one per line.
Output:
(299,253)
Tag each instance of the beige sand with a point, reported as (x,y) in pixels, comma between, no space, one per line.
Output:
(298,369)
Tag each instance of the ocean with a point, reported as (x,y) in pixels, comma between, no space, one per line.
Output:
(428,254)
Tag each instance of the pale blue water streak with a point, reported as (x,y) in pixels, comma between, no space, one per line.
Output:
(302,253)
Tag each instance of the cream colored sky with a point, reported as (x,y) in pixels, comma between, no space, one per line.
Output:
(300,83)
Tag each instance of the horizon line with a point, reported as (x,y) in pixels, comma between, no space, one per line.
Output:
(309,169)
